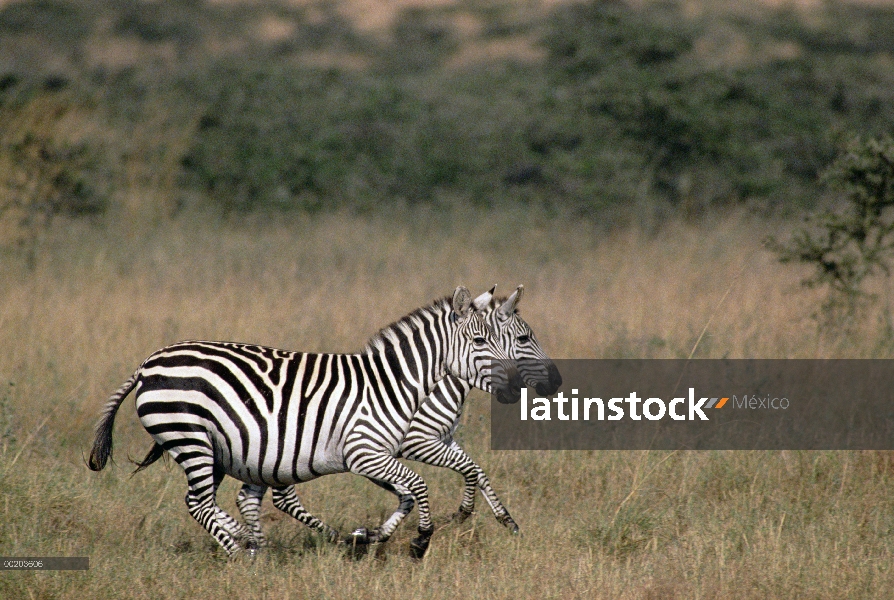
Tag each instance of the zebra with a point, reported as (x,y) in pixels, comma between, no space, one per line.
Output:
(275,418)
(429,438)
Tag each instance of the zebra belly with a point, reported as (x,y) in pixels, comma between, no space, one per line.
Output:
(234,459)
(253,450)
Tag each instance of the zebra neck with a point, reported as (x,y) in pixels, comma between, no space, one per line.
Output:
(410,354)
(405,376)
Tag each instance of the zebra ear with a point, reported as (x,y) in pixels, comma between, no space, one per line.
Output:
(482,301)
(462,300)
(508,307)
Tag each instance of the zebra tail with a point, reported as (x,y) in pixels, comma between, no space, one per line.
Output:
(155,452)
(102,444)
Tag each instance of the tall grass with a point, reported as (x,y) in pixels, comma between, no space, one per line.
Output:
(595,524)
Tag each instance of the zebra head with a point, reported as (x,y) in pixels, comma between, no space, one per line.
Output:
(476,356)
(517,339)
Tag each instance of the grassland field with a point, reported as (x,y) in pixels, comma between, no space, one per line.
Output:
(594,524)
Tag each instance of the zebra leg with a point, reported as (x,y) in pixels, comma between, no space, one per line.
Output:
(249,503)
(286,499)
(470,479)
(203,480)
(237,530)
(437,453)
(406,502)
(476,477)
(385,469)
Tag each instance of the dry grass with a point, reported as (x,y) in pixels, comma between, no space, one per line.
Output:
(595,524)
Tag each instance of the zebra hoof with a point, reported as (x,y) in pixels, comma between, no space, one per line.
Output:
(418,547)
(461,515)
(509,523)
(252,551)
(512,526)
(357,543)
(358,537)
(240,555)
(235,555)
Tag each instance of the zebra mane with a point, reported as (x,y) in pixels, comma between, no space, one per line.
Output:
(436,307)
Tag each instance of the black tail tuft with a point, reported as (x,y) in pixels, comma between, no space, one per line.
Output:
(102,443)
(155,452)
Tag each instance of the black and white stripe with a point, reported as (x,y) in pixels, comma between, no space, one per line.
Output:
(273,418)
(429,438)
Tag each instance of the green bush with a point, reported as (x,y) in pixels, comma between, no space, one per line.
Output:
(286,136)
(712,133)
(849,244)
(49,165)
(630,108)
(311,138)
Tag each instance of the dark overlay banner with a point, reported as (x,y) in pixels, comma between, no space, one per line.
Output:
(736,404)
(44,563)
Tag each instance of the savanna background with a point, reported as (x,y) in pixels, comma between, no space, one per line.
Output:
(299,174)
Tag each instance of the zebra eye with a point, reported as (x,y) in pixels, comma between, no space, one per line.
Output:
(479,341)
(523,339)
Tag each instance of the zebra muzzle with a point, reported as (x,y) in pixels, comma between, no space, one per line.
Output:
(508,387)
(553,384)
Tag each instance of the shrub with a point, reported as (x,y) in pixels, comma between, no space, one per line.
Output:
(848,245)
(48,164)
(712,133)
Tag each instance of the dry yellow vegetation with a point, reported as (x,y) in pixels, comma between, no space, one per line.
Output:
(594,524)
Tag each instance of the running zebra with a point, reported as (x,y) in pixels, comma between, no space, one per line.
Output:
(275,418)
(429,438)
